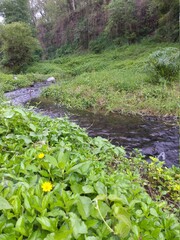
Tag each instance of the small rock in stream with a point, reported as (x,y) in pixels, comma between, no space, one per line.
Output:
(51,79)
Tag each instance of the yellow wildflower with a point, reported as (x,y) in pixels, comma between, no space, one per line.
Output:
(47,186)
(41,155)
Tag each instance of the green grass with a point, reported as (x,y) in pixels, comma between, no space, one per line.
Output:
(114,80)
(9,82)
(97,193)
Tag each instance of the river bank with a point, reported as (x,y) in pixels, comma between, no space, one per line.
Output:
(151,135)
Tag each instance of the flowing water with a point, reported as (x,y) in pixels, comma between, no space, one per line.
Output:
(151,135)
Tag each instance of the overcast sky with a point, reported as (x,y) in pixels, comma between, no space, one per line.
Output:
(1,19)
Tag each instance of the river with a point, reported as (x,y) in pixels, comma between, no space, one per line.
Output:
(151,135)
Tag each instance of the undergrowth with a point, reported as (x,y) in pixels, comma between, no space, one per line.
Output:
(116,80)
(58,183)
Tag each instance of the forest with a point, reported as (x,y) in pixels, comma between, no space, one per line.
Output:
(105,59)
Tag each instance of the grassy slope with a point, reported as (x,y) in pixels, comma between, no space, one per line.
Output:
(112,81)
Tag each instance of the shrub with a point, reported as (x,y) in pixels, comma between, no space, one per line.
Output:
(163,65)
(18,46)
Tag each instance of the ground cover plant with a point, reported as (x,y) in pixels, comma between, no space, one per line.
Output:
(58,183)
(123,79)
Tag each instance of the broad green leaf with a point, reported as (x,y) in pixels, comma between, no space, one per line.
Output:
(7,236)
(63,234)
(100,188)
(153,212)
(122,229)
(88,189)
(50,236)
(114,198)
(9,113)
(36,235)
(84,206)
(101,197)
(63,159)
(48,224)
(51,160)
(4,204)
(82,168)
(135,230)
(20,226)
(32,127)
(103,208)
(44,173)
(124,225)
(26,139)
(91,222)
(46,200)
(16,204)
(78,226)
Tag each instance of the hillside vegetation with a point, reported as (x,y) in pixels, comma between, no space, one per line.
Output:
(119,79)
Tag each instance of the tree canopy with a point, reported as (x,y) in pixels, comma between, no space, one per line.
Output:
(15,10)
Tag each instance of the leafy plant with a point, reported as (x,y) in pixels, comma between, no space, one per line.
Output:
(58,183)
(163,65)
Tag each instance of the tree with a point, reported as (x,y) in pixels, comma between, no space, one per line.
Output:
(18,46)
(168,28)
(15,11)
(131,19)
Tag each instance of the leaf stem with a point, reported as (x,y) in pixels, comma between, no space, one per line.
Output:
(97,207)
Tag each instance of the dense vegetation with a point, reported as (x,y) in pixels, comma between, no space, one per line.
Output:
(106,55)
(127,79)
(137,79)
(83,24)
(57,183)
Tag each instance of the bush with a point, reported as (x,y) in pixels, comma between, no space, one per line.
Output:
(18,46)
(163,65)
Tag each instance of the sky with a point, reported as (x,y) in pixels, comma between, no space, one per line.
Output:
(1,19)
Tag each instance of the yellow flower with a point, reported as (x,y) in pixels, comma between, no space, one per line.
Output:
(41,155)
(47,186)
